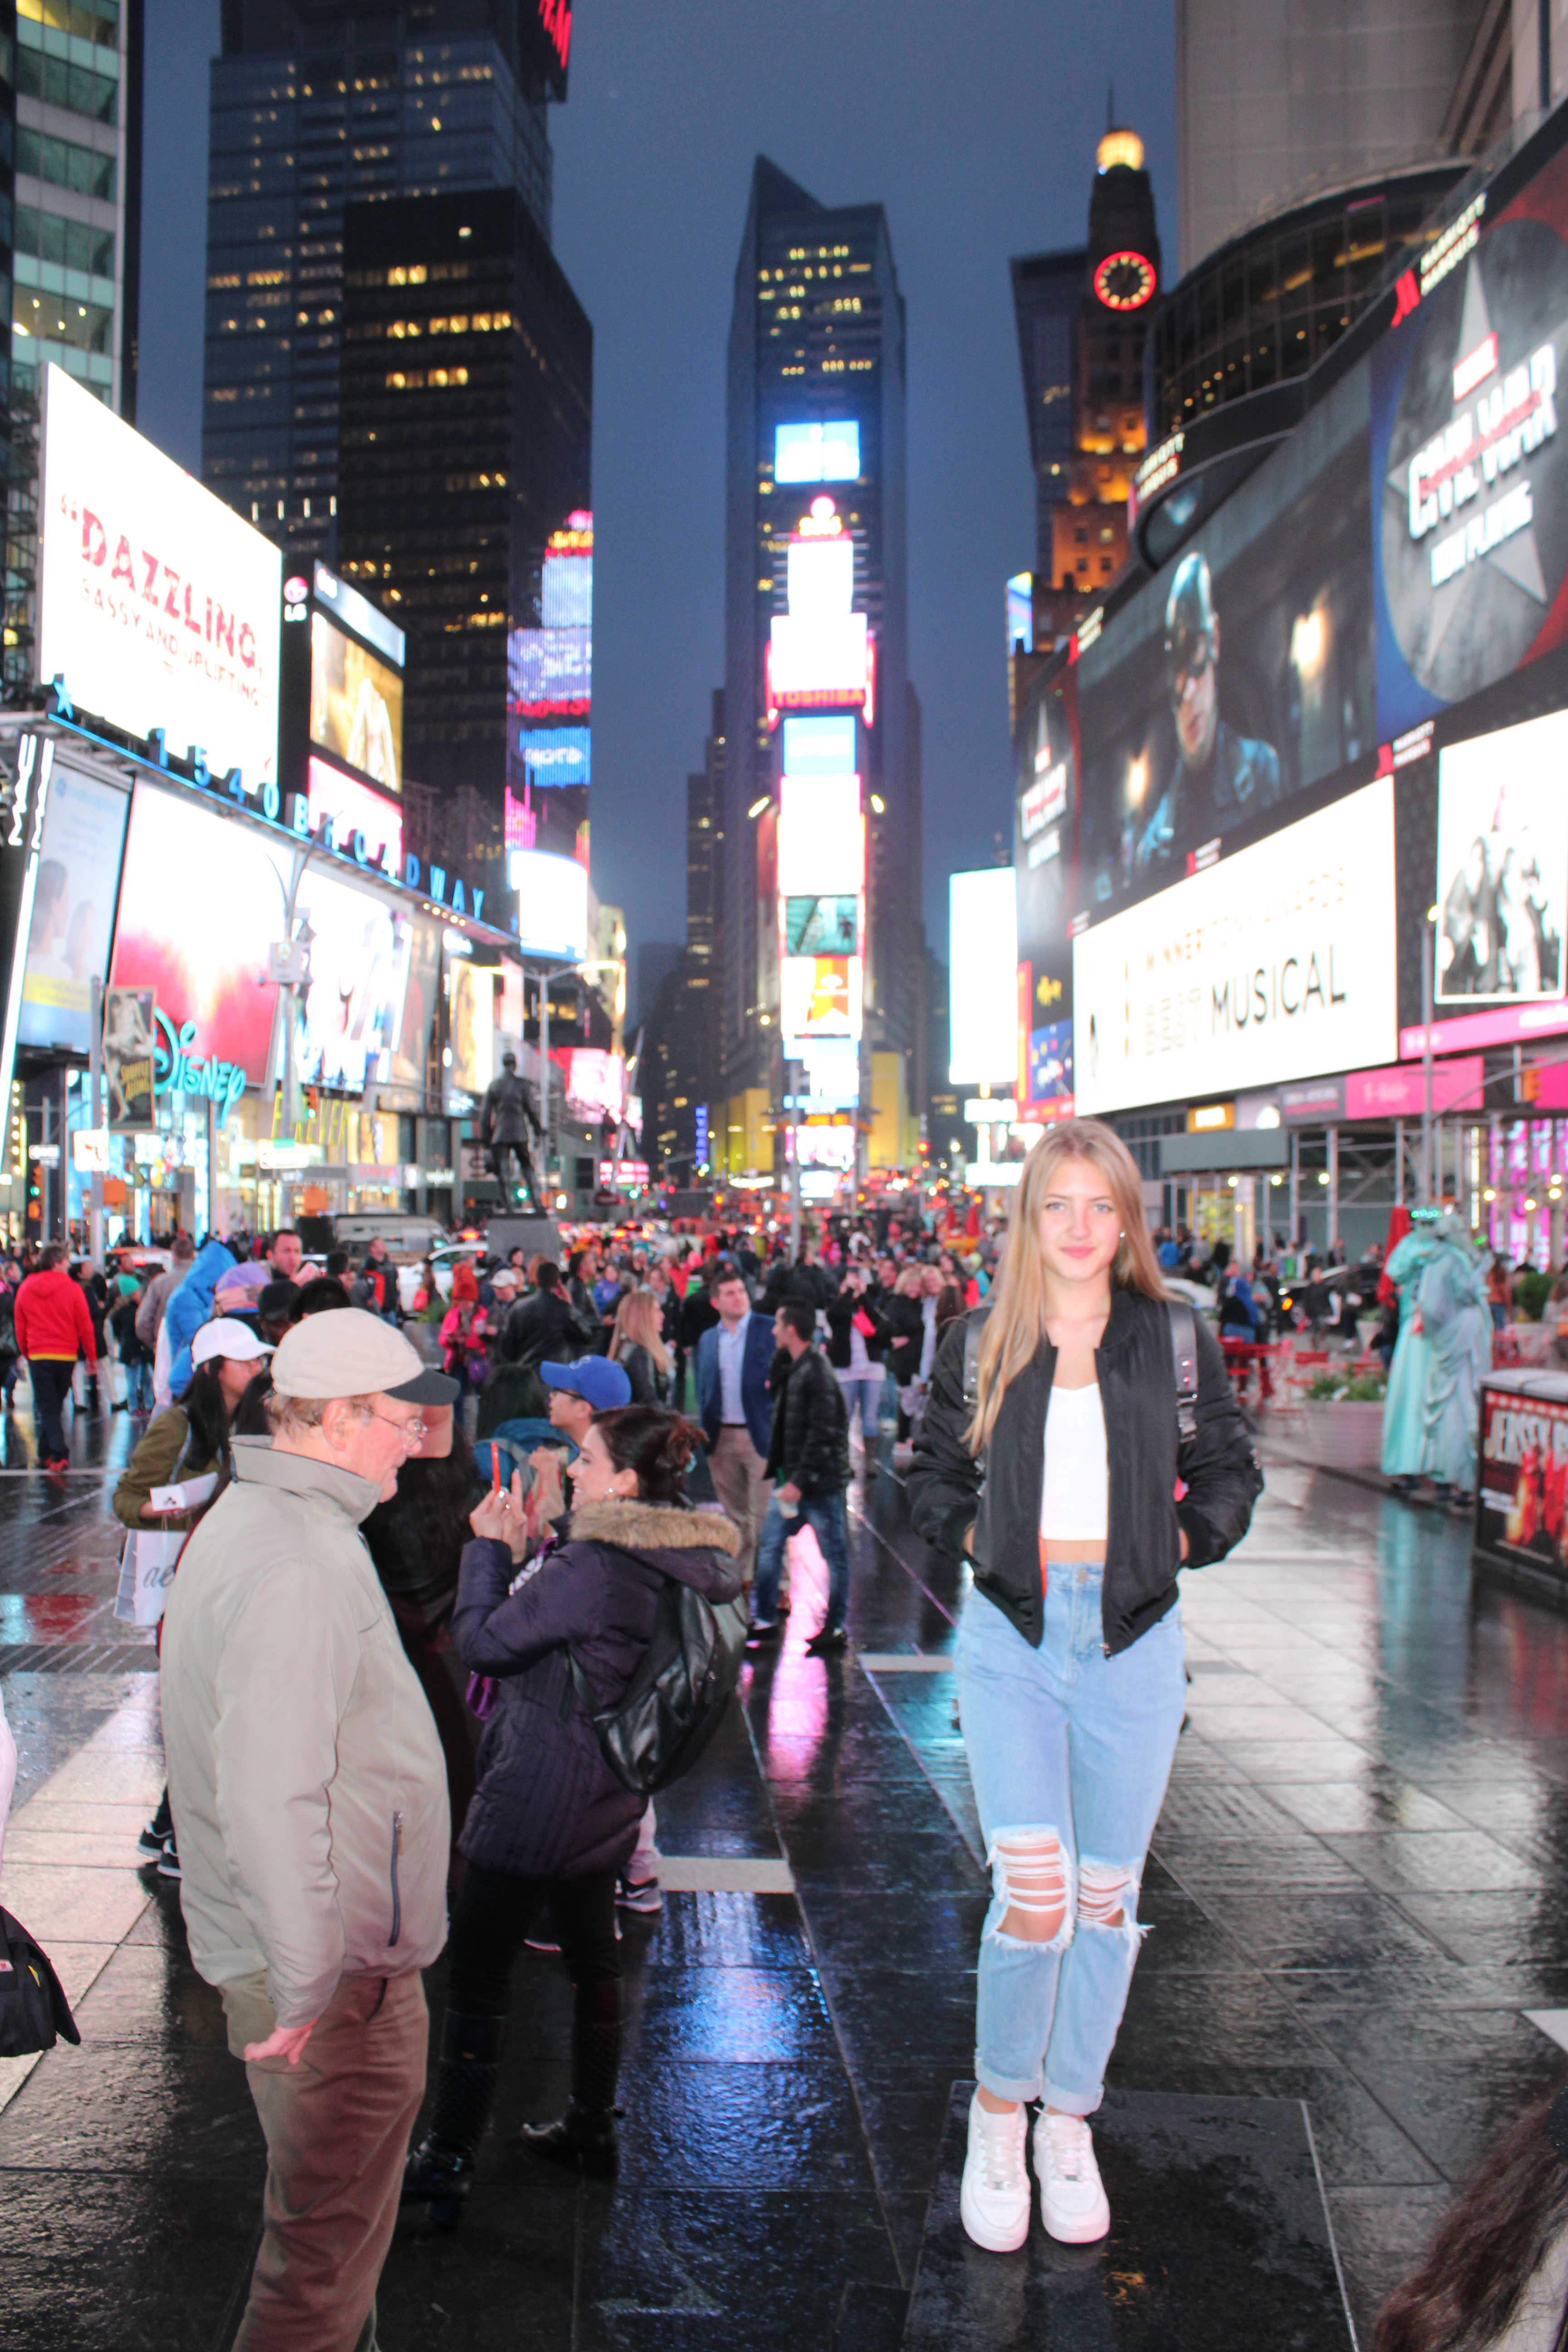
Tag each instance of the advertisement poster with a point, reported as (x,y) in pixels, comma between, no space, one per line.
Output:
(73,908)
(470,1004)
(410,1055)
(1469,471)
(201,901)
(129,1046)
(1523,1479)
(1044,815)
(1240,676)
(356,705)
(1274,964)
(353,1007)
(354,808)
(157,605)
(1503,865)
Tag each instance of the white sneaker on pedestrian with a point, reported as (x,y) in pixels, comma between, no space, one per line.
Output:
(994,2198)
(1072,2201)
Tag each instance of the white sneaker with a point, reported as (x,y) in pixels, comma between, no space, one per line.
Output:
(994,2198)
(1072,2201)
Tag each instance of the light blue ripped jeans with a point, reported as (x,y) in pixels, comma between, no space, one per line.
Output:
(1069,1752)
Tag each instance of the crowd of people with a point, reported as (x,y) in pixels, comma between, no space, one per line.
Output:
(410,1584)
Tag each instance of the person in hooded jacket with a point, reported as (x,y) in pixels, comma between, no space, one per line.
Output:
(549,1824)
(189,1307)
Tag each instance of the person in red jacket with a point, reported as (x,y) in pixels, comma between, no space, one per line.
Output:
(53,1327)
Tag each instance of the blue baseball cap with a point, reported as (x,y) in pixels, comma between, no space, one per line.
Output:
(602,1384)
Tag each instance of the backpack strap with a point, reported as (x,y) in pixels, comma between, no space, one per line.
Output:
(972,1331)
(1184,1358)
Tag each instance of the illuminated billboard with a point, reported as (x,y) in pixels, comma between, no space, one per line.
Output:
(351,1015)
(818,926)
(821,836)
(356,704)
(1278,962)
(1468,470)
(1043,809)
(820,653)
(828,1146)
(552,903)
(470,1024)
(820,747)
(817,453)
(1021,613)
(357,613)
(358,815)
(820,996)
(983,955)
(550,668)
(157,605)
(207,965)
(555,756)
(1503,865)
(73,907)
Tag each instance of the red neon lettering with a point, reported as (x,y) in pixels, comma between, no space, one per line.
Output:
(1406,294)
(223,630)
(124,569)
(150,585)
(194,625)
(170,605)
(247,644)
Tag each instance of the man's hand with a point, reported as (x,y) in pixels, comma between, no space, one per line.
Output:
(789,1493)
(283,2041)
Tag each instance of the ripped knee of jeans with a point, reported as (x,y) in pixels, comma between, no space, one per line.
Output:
(1108,1898)
(1031,1879)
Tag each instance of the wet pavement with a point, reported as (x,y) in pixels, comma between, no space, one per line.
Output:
(1357,1975)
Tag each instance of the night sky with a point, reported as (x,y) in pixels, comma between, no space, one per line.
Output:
(973,121)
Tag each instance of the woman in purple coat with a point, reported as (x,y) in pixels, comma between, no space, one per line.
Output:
(549,1824)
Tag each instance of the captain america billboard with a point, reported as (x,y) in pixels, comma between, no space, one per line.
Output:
(1470,470)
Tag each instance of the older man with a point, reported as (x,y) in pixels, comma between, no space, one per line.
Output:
(310,1803)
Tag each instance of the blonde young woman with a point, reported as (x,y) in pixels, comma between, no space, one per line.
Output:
(1055,1468)
(636,1344)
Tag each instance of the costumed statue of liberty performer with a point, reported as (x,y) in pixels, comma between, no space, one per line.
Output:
(1444,1349)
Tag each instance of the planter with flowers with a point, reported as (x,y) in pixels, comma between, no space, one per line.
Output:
(1341,1422)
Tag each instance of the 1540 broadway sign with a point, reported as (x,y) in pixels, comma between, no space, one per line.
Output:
(1276,963)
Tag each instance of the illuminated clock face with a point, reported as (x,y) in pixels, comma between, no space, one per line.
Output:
(1124,281)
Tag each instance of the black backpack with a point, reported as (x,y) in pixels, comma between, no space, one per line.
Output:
(34,2011)
(676,1700)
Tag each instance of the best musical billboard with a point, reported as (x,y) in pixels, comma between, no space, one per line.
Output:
(157,605)
(1468,469)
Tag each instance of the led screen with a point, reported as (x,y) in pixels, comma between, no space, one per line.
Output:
(410,1055)
(156,603)
(982,954)
(1503,865)
(470,1024)
(552,903)
(550,670)
(825,1147)
(356,809)
(556,755)
(358,613)
(821,836)
(820,576)
(814,659)
(820,747)
(1043,869)
(1468,469)
(820,996)
(1021,613)
(830,927)
(356,704)
(353,1010)
(201,901)
(817,453)
(1277,963)
(596,1081)
(73,907)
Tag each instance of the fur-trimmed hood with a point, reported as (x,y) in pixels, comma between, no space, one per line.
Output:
(653,1527)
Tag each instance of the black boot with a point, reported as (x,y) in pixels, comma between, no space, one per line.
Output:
(585,2134)
(438,2171)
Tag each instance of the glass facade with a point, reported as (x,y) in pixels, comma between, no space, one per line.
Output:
(311,109)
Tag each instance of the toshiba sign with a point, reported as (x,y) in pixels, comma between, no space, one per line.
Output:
(157,605)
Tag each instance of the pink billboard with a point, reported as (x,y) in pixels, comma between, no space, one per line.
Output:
(201,900)
(1400,1092)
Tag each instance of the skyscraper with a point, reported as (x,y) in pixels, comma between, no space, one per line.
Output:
(75,267)
(315,102)
(815,622)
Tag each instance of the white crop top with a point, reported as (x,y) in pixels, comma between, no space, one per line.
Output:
(1074,1496)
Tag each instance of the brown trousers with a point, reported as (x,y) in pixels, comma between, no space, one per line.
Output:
(337,2128)
(741,1485)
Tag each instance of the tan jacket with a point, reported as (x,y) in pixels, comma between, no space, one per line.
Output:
(305,1773)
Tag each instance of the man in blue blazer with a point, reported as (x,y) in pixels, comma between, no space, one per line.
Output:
(733,1361)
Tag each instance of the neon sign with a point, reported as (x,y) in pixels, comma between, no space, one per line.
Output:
(1125,281)
(178,1068)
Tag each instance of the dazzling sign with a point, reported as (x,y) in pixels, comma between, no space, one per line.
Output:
(1272,964)
(156,603)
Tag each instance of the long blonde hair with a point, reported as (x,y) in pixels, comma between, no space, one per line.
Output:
(1017,1323)
(637,1320)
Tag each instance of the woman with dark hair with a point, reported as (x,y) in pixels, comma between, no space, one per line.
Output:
(178,1450)
(549,1823)
(417,1543)
(1495,2276)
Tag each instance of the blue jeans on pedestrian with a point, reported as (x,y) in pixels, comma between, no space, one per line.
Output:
(138,1385)
(866,1388)
(829,1521)
(1069,1752)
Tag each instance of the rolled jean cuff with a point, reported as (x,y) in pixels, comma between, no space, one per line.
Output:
(1073,2102)
(1006,2086)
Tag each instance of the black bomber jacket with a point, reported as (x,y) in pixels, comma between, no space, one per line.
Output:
(950,1491)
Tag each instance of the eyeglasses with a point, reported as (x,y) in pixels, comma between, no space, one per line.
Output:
(413,1429)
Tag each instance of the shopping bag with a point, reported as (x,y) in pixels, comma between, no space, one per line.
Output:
(147,1567)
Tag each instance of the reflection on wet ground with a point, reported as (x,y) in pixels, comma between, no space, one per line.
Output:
(1358,1905)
